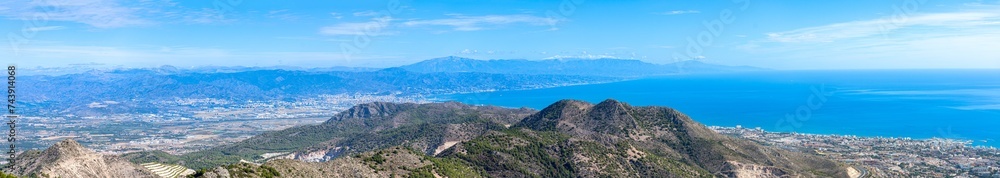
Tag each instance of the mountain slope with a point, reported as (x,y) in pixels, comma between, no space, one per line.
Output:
(365,127)
(567,139)
(70,159)
(390,162)
(579,67)
(572,138)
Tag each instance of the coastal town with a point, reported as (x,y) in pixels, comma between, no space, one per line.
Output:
(886,157)
(187,124)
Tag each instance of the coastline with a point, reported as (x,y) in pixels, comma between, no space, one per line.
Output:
(883,156)
(436,97)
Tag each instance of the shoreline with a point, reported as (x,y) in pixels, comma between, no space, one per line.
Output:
(840,114)
(967,143)
(438,99)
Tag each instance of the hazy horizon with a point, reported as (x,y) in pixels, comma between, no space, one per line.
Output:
(910,34)
(101,66)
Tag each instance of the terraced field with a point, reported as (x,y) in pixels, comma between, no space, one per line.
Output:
(168,170)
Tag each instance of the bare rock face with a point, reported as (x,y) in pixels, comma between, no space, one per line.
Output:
(738,169)
(70,159)
(218,172)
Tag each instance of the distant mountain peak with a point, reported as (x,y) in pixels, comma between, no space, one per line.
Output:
(169,68)
(581,118)
(610,103)
(569,102)
(611,107)
(573,115)
(374,109)
(394,70)
(452,58)
(607,67)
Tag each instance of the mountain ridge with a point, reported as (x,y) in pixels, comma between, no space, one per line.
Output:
(583,67)
(68,158)
(567,138)
(664,132)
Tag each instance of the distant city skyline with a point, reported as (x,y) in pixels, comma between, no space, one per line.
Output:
(900,34)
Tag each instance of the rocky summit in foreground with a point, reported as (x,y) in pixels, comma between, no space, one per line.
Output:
(567,139)
(69,159)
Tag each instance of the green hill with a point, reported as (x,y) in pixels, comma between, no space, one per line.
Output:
(363,128)
(567,139)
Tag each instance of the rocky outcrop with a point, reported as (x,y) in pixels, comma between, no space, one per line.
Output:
(70,159)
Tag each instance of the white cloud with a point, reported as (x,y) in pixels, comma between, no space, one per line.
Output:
(468,51)
(867,28)
(474,23)
(45,28)
(336,15)
(203,16)
(960,39)
(679,12)
(57,55)
(282,15)
(584,56)
(277,11)
(108,13)
(97,13)
(368,13)
(376,27)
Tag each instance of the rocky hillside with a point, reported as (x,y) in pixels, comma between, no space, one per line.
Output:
(575,138)
(390,162)
(427,128)
(567,139)
(70,159)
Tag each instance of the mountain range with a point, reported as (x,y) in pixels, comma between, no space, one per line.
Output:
(566,139)
(580,67)
(135,89)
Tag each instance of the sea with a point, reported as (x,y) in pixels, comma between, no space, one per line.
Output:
(917,104)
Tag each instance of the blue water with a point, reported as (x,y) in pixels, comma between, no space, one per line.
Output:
(958,104)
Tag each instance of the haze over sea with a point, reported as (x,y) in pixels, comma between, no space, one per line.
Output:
(957,104)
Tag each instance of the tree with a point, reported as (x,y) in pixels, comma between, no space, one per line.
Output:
(5,175)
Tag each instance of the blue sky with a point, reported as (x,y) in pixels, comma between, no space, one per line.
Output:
(854,34)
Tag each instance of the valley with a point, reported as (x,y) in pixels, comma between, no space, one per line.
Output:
(186,125)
